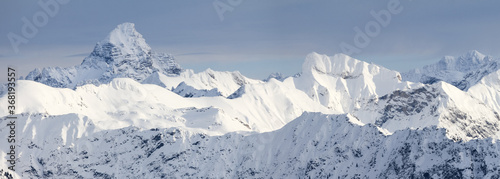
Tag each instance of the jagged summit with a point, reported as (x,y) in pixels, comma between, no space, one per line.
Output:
(474,54)
(339,82)
(464,63)
(123,41)
(125,35)
(463,71)
(277,75)
(342,65)
(340,118)
(123,53)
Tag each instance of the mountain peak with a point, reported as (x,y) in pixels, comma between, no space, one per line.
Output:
(124,34)
(126,28)
(464,63)
(340,65)
(277,75)
(125,40)
(123,53)
(473,57)
(463,71)
(474,54)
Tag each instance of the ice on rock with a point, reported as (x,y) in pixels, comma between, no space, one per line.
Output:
(463,71)
(123,53)
(129,112)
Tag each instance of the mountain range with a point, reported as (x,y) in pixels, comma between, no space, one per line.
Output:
(129,112)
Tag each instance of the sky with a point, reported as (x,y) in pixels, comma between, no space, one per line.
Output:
(255,37)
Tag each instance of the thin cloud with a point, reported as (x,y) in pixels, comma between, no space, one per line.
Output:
(78,55)
(9,55)
(193,54)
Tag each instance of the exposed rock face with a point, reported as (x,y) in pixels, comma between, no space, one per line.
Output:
(462,72)
(313,145)
(124,53)
(338,118)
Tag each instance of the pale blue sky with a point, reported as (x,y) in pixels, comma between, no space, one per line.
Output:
(257,37)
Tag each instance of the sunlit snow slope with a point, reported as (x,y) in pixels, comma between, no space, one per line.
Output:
(129,112)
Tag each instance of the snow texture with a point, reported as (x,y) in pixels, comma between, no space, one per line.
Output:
(128,112)
(124,53)
(462,72)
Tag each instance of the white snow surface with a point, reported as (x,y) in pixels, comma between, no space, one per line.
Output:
(463,72)
(128,112)
(124,102)
(221,81)
(488,90)
(341,82)
(123,53)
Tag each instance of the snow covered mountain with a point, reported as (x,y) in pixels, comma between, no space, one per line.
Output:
(124,53)
(342,82)
(440,104)
(488,90)
(337,147)
(124,102)
(190,84)
(462,72)
(128,112)
(277,76)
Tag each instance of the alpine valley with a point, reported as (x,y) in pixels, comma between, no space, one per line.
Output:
(129,112)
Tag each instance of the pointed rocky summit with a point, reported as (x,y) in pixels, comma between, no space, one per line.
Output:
(123,53)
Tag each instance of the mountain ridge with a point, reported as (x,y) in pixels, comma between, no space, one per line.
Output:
(128,112)
(463,72)
(338,148)
(123,53)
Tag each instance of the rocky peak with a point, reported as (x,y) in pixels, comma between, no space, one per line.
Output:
(464,63)
(124,42)
(123,53)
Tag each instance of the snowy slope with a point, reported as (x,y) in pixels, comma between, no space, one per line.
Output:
(278,76)
(341,82)
(391,129)
(337,148)
(124,53)
(125,102)
(462,72)
(223,82)
(488,90)
(128,112)
(442,105)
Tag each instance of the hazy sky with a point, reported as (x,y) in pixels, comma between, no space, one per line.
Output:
(256,37)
